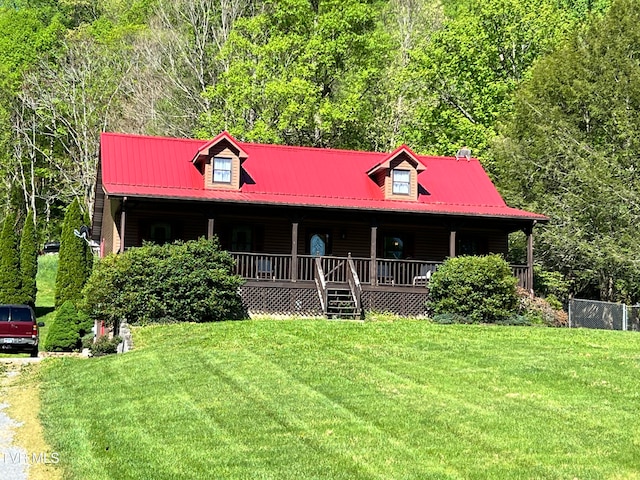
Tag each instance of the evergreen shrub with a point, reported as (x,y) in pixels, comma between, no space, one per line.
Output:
(64,333)
(10,276)
(180,282)
(29,260)
(74,258)
(480,289)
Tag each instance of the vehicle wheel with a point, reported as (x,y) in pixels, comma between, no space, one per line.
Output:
(34,352)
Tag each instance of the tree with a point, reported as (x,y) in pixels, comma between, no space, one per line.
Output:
(570,151)
(72,264)
(462,80)
(302,75)
(29,260)
(10,276)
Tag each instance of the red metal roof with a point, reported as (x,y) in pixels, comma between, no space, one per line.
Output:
(143,166)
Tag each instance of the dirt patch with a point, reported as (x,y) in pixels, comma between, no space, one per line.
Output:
(21,393)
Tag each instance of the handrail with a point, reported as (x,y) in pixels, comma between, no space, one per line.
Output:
(396,272)
(354,283)
(321,284)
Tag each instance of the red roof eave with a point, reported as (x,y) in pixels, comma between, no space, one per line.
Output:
(484,211)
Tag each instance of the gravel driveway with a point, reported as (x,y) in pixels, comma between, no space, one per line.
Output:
(13,460)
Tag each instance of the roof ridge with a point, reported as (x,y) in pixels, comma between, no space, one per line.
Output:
(153,137)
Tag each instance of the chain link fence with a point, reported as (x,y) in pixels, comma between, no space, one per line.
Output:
(603,315)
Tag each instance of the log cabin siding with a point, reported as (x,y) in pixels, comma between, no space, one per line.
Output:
(401,163)
(108,231)
(222,151)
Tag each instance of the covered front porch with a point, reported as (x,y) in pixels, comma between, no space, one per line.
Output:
(302,261)
(341,287)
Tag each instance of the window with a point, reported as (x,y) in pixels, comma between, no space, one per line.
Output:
(468,245)
(221,170)
(21,314)
(393,247)
(401,182)
(160,233)
(241,239)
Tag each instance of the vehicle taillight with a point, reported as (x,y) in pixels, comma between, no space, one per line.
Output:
(34,333)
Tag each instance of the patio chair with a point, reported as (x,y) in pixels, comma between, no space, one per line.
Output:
(422,279)
(264,269)
(385,277)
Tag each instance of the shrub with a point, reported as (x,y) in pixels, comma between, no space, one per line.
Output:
(63,335)
(10,277)
(74,259)
(550,284)
(482,289)
(541,311)
(29,260)
(184,281)
(105,346)
(449,318)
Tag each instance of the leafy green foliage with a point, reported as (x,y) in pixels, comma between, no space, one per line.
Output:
(104,346)
(482,289)
(29,260)
(10,275)
(74,258)
(65,333)
(303,76)
(570,150)
(180,282)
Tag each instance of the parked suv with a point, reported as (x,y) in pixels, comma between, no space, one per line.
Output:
(18,329)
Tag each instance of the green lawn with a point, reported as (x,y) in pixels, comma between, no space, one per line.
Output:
(281,399)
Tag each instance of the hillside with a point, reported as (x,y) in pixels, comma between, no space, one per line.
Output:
(319,399)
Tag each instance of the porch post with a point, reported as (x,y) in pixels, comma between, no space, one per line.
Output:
(294,252)
(529,232)
(452,243)
(210,225)
(373,272)
(123,223)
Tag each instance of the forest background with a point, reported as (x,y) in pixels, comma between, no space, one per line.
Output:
(546,93)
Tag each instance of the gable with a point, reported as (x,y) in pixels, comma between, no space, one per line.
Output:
(397,175)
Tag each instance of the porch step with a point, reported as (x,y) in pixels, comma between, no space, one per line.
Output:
(340,304)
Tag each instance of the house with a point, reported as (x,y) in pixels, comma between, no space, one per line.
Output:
(312,230)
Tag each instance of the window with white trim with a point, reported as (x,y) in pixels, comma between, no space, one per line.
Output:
(401,182)
(222,170)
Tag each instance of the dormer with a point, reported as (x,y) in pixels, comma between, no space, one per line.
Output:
(220,162)
(397,175)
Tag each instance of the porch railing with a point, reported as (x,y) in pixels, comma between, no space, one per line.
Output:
(277,267)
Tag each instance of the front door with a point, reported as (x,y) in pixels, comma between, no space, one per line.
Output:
(318,245)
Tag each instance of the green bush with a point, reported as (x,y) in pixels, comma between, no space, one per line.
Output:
(75,257)
(10,276)
(105,346)
(180,282)
(63,334)
(550,284)
(482,289)
(29,260)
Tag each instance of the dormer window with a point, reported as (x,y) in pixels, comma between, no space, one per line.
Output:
(222,170)
(401,182)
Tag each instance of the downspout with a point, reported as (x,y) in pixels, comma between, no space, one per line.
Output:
(123,223)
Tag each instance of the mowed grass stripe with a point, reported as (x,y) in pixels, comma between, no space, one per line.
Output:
(318,399)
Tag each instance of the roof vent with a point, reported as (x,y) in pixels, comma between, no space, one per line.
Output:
(464,152)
